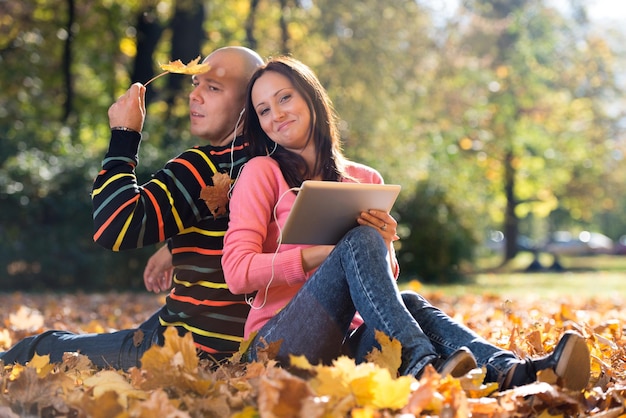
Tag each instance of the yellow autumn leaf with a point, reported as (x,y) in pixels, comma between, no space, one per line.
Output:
(192,67)
(367,383)
(388,392)
(177,67)
(41,364)
(175,363)
(362,413)
(246,412)
(300,362)
(390,354)
(111,381)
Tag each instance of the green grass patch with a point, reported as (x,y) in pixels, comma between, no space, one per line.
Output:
(585,277)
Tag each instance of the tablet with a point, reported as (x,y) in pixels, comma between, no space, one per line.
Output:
(325,210)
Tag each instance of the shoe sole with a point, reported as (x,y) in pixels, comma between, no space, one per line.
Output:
(459,364)
(574,366)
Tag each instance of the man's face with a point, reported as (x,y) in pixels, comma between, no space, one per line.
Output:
(217,98)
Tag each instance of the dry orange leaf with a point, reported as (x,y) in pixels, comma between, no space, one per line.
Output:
(177,67)
(192,67)
(216,196)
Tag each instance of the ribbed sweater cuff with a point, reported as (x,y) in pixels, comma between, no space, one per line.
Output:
(124,144)
(292,266)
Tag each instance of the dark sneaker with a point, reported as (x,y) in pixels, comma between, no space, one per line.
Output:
(458,364)
(570,361)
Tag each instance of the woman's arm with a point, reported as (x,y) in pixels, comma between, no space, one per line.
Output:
(251,258)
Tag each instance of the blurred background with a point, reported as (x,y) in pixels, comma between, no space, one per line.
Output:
(503,120)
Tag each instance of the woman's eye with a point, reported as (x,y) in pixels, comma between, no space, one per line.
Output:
(285,97)
(263,111)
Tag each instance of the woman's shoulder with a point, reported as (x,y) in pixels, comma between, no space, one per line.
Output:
(363,173)
(260,169)
(263,162)
(262,165)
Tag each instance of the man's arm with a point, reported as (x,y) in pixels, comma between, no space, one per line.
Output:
(128,215)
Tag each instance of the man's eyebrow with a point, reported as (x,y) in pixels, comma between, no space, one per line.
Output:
(196,77)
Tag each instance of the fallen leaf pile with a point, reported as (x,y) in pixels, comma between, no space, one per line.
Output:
(173,382)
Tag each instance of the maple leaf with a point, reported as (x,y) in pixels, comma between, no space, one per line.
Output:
(177,67)
(216,196)
(158,405)
(26,319)
(366,383)
(281,394)
(173,364)
(111,381)
(32,391)
(41,364)
(105,406)
(390,354)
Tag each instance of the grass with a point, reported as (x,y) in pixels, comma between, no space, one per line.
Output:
(584,277)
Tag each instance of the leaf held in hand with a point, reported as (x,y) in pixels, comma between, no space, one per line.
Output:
(192,67)
(177,67)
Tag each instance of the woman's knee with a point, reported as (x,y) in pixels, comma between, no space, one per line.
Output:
(413,300)
(366,236)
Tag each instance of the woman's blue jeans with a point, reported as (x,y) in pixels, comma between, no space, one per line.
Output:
(356,277)
(119,350)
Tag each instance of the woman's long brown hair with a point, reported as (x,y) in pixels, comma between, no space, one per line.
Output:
(329,161)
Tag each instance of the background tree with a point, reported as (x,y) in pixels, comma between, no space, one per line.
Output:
(505,87)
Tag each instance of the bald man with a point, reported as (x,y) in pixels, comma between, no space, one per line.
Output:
(184,205)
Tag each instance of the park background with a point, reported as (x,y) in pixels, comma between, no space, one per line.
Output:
(502,120)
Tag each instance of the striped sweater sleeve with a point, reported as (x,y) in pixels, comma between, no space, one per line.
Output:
(128,215)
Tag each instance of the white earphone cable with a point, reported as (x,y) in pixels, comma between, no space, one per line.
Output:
(250,300)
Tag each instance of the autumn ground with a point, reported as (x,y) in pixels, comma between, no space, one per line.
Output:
(172,383)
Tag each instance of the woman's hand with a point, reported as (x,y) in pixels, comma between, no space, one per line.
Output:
(312,257)
(387,227)
(382,222)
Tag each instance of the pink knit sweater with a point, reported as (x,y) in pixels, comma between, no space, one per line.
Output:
(250,261)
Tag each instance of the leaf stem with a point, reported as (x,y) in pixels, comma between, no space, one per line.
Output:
(155,77)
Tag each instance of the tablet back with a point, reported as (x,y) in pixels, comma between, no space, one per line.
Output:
(325,210)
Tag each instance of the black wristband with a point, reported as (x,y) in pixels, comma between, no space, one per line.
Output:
(123,128)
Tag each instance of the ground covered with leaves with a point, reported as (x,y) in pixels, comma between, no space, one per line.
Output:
(172,382)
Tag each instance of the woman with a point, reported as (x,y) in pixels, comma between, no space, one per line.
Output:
(309,296)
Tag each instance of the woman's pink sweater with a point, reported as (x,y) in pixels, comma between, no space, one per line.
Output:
(251,261)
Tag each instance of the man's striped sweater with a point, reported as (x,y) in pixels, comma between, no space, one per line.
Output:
(169,207)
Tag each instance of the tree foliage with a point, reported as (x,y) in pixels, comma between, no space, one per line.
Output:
(509,108)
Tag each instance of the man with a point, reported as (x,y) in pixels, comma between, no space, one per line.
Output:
(185,205)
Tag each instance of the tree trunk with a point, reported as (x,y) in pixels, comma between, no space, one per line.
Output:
(510,218)
(67,62)
(148,34)
(187,38)
(250,25)
(284,29)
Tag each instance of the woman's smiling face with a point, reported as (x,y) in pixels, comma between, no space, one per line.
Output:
(282,111)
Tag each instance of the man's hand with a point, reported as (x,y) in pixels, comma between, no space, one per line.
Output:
(129,111)
(157,275)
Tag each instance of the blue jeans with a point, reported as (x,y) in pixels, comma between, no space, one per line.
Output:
(120,350)
(356,277)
